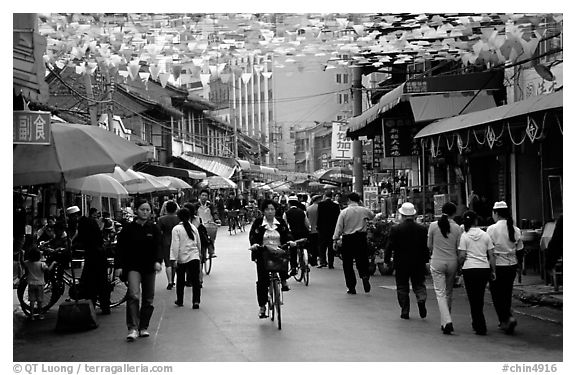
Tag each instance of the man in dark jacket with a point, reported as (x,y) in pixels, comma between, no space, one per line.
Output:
(299,227)
(407,247)
(94,280)
(328,212)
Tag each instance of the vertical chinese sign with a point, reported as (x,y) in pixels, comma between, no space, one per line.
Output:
(341,144)
(399,138)
(31,127)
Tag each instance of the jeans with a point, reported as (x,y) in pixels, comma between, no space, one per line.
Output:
(192,269)
(139,317)
(475,281)
(354,247)
(501,291)
(443,274)
(415,274)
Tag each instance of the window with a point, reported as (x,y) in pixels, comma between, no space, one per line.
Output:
(344,78)
(342,98)
(338,78)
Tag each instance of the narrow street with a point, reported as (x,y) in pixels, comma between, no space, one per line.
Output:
(320,323)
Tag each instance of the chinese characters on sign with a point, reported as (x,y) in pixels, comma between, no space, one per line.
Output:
(399,138)
(377,151)
(31,127)
(341,144)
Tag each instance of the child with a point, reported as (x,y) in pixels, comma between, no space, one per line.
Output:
(36,269)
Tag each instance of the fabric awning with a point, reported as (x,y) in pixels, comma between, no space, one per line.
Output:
(212,165)
(433,107)
(523,107)
(161,170)
(425,106)
(386,102)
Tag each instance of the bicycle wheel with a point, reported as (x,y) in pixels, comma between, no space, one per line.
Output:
(271,299)
(52,294)
(208,265)
(299,275)
(278,303)
(118,292)
(305,267)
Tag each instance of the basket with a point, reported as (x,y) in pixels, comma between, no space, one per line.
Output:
(212,230)
(275,260)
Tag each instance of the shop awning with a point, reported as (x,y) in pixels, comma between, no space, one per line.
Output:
(387,102)
(161,170)
(523,107)
(212,165)
(433,107)
(425,106)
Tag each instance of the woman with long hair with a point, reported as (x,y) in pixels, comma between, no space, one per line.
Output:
(185,251)
(443,238)
(138,261)
(476,258)
(507,241)
(273,231)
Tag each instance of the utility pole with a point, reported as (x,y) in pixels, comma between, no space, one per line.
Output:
(91,104)
(357,171)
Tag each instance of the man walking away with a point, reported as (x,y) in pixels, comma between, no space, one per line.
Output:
(328,212)
(351,225)
(166,223)
(407,247)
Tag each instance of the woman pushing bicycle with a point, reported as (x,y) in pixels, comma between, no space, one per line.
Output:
(272,231)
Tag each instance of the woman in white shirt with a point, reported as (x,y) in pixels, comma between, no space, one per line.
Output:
(185,250)
(507,241)
(476,257)
(443,238)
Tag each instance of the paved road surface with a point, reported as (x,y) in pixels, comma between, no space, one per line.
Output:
(320,323)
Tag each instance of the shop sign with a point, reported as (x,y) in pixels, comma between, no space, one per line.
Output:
(399,138)
(31,127)
(377,151)
(341,144)
(371,197)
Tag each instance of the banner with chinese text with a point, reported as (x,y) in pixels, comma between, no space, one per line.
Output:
(341,144)
(31,127)
(399,138)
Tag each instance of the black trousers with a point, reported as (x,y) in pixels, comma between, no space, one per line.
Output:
(415,274)
(325,249)
(312,248)
(354,248)
(94,283)
(263,280)
(475,281)
(501,291)
(192,269)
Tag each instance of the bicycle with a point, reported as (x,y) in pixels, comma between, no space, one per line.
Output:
(276,260)
(62,275)
(303,268)
(233,222)
(212,229)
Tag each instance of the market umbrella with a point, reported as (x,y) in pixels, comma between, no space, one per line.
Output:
(151,184)
(280,186)
(126,176)
(219,182)
(337,176)
(74,151)
(174,182)
(101,185)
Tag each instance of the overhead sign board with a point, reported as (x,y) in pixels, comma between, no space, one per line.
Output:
(341,144)
(31,127)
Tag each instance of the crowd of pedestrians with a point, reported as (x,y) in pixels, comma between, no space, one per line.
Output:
(179,240)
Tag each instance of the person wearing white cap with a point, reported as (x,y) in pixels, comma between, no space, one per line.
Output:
(507,241)
(407,248)
(73,213)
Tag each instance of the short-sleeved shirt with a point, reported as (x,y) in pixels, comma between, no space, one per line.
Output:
(476,243)
(504,249)
(166,223)
(444,249)
(35,272)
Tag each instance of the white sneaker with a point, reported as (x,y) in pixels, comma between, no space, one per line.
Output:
(144,333)
(132,335)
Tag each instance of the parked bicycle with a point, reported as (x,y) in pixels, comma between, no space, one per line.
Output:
(63,275)
(276,260)
(303,268)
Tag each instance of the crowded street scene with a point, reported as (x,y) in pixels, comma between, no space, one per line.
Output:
(288,188)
